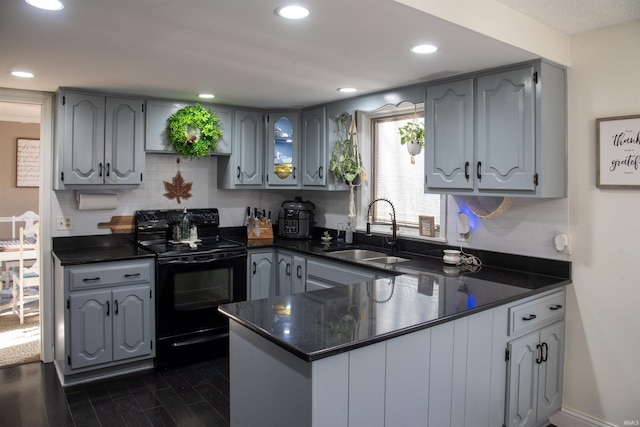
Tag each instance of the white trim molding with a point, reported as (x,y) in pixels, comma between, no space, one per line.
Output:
(569,418)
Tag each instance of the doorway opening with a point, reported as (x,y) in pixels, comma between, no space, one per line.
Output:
(20,184)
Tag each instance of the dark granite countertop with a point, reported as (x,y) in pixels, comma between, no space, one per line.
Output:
(321,323)
(102,248)
(422,293)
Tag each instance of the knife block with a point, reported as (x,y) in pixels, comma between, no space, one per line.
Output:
(265,230)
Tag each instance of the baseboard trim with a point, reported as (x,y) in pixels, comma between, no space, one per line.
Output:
(568,418)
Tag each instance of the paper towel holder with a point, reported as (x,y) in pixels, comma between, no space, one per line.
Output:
(96,201)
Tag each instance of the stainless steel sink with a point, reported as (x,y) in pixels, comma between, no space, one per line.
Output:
(386,259)
(366,255)
(356,254)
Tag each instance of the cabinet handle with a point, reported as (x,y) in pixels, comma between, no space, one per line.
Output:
(479,171)
(539,356)
(108,308)
(91,279)
(544,353)
(466,170)
(294,172)
(299,272)
(132,275)
(288,269)
(115,303)
(254,268)
(529,317)
(238,175)
(555,307)
(320,172)
(108,168)
(99,169)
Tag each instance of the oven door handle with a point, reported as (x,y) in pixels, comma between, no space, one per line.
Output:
(198,261)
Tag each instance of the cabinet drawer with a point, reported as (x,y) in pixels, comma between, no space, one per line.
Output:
(109,274)
(536,313)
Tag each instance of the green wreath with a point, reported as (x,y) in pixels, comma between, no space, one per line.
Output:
(194,131)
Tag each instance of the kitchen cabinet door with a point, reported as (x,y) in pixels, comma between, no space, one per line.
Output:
(534,376)
(449,136)
(248,155)
(282,157)
(314,148)
(284,274)
(299,275)
(505,104)
(131,322)
(124,141)
(81,138)
(90,328)
(100,140)
(262,281)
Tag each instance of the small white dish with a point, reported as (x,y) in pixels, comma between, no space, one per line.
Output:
(326,239)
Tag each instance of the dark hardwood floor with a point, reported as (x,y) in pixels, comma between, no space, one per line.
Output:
(193,395)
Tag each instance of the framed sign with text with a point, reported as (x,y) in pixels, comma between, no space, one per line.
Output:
(618,152)
(427,225)
(27,162)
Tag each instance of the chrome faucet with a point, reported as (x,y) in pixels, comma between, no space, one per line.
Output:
(393,240)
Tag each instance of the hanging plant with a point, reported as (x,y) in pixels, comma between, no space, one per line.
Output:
(194,131)
(412,134)
(346,162)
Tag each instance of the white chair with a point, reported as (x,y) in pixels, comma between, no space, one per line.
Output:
(26,280)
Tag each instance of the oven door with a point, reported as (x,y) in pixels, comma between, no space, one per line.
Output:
(189,291)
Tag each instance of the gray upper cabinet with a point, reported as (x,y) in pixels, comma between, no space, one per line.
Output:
(498,133)
(99,140)
(282,158)
(505,144)
(245,168)
(449,143)
(158,113)
(314,148)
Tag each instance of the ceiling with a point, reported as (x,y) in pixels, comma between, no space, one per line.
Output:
(245,54)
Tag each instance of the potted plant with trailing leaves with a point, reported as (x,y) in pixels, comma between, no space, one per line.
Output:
(346,162)
(412,134)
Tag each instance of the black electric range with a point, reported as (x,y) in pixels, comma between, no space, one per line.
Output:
(193,277)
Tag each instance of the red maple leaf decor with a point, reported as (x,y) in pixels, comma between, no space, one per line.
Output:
(177,188)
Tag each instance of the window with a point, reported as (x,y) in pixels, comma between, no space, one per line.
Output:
(398,179)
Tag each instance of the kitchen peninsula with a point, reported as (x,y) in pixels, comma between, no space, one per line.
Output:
(413,349)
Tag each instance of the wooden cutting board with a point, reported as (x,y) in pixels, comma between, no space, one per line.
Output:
(119,224)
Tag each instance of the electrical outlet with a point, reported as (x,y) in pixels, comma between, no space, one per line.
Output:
(63,223)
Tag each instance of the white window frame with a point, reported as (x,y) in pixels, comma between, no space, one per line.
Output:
(364,194)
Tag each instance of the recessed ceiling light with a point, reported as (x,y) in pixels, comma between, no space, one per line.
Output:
(46,4)
(424,48)
(347,89)
(207,95)
(292,12)
(23,74)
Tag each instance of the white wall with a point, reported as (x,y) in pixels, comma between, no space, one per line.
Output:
(602,374)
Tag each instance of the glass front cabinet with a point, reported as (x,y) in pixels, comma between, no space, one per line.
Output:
(283,150)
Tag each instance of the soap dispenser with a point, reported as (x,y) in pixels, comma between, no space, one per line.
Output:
(184,233)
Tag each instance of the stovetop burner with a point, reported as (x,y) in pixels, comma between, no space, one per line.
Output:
(154,231)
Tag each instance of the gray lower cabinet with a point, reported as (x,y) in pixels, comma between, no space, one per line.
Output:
(534,387)
(261,281)
(292,273)
(276,272)
(323,274)
(106,319)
